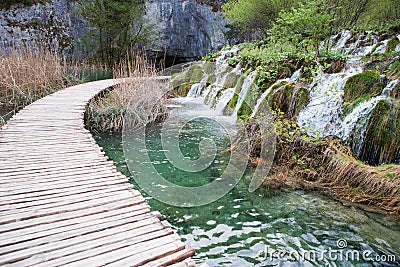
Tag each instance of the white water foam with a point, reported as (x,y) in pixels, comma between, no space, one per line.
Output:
(358,118)
(320,116)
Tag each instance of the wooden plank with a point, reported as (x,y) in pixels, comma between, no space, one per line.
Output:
(169,260)
(72,242)
(51,236)
(63,202)
(115,251)
(37,212)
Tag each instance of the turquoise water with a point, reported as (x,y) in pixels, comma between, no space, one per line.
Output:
(258,229)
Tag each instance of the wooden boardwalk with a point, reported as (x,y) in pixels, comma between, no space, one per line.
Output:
(63,203)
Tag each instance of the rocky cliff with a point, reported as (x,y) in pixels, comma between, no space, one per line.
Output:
(185,30)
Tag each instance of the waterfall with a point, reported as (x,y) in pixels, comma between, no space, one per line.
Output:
(382,48)
(224,100)
(344,37)
(321,115)
(195,90)
(357,120)
(294,78)
(397,49)
(248,81)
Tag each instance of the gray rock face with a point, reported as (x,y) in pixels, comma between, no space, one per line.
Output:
(48,24)
(184,30)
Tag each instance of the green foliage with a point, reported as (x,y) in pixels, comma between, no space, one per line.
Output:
(288,131)
(119,28)
(211,57)
(303,26)
(251,17)
(391,45)
(313,19)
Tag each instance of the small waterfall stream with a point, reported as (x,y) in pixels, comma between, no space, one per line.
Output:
(294,78)
(321,116)
(357,120)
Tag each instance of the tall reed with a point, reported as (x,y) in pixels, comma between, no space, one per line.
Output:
(28,73)
(131,102)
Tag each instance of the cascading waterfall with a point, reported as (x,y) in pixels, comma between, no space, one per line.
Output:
(294,78)
(382,48)
(321,115)
(195,90)
(224,100)
(357,120)
(248,81)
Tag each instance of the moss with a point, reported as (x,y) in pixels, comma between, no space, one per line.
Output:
(244,112)
(209,67)
(207,98)
(238,87)
(232,103)
(376,47)
(211,79)
(288,99)
(197,75)
(382,137)
(367,82)
(250,100)
(181,90)
(393,70)
(391,45)
(231,80)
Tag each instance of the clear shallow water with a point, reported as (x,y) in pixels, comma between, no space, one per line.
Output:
(252,229)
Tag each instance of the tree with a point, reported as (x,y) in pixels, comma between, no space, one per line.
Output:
(307,24)
(117,25)
(252,18)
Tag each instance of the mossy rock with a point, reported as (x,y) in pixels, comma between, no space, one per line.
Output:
(376,47)
(382,136)
(365,83)
(391,45)
(250,101)
(289,99)
(209,68)
(194,73)
(211,79)
(396,92)
(207,98)
(393,70)
(349,107)
(181,90)
(231,80)
(238,87)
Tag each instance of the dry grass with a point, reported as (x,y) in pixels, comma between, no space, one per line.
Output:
(130,103)
(330,167)
(357,182)
(28,74)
